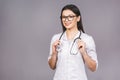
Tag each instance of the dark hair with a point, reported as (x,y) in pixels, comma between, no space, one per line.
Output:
(75,10)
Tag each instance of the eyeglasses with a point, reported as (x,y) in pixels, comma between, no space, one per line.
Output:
(69,18)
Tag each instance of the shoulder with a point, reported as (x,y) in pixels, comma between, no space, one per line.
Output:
(87,38)
(56,36)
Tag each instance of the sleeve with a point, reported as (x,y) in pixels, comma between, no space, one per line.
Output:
(50,50)
(91,50)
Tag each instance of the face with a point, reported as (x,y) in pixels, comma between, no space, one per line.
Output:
(69,19)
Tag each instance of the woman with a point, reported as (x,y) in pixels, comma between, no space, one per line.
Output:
(72,48)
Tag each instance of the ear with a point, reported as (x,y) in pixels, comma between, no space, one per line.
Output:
(78,18)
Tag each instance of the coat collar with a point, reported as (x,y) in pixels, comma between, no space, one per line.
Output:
(64,37)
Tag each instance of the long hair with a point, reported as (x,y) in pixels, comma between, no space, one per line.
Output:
(75,10)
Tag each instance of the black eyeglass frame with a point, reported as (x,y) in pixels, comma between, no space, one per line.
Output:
(69,17)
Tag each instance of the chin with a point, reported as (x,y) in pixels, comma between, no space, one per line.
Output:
(68,27)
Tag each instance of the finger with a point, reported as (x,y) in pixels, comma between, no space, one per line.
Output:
(80,46)
(58,42)
(78,40)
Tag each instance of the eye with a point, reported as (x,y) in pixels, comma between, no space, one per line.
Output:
(64,16)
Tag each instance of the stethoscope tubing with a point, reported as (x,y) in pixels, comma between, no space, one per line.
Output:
(72,43)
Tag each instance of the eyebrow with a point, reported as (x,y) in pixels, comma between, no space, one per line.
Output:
(69,15)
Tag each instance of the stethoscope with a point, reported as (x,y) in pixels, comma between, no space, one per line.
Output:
(72,53)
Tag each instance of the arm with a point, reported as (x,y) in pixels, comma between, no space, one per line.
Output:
(52,61)
(53,58)
(89,61)
(88,55)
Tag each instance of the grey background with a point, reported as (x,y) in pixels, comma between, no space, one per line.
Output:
(26,28)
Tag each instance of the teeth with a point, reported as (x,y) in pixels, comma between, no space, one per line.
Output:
(67,24)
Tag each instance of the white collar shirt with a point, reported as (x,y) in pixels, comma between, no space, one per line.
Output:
(69,66)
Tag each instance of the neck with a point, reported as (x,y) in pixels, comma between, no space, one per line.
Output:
(71,33)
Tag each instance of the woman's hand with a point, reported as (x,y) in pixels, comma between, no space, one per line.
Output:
(87,59)
(53,60)
(81,46)
(54,46)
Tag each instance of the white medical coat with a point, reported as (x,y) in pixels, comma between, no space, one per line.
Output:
(71,67)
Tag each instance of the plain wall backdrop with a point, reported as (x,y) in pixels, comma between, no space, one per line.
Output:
(27,26)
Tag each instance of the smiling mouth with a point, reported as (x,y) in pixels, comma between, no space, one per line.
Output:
(67,24)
